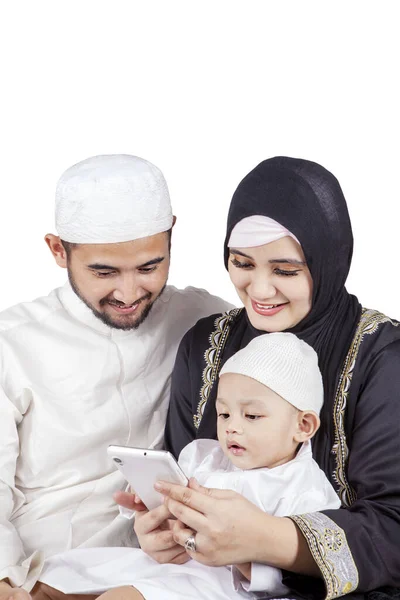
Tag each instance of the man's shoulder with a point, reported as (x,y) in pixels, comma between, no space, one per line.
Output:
(179,309)
(25,313)
(196,301)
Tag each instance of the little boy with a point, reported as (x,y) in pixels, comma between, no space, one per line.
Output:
(269,398)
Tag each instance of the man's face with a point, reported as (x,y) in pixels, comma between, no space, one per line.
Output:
(120,282)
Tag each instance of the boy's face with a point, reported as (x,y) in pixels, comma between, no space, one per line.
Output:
(256,427)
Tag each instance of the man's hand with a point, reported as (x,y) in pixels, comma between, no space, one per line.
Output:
(7,592)
(129,500)
(154,530)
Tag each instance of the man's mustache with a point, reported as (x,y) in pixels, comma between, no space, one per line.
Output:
(111,300)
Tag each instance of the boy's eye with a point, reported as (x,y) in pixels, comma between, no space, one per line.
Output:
(147,269)
(223,415)
(241,265)
(253,417)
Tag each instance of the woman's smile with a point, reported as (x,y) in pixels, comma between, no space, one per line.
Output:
(273,282)
(268,310)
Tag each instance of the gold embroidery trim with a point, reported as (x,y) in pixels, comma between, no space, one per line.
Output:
(369,323)
(212,357)
(330,550)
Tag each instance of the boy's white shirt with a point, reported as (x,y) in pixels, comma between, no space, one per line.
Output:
(296,487)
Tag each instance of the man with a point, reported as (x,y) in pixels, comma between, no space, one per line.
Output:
(89,365)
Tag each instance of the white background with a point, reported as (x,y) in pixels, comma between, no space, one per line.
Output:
(205,90)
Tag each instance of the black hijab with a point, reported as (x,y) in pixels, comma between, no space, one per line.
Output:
(307,200)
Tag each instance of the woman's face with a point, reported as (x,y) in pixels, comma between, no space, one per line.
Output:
(273,282)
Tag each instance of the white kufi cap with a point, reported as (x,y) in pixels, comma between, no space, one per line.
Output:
(112,198)
(285,364)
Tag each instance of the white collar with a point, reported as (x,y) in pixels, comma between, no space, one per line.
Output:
(78,310)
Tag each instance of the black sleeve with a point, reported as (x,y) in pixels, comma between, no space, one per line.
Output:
(180,429)
(358,548)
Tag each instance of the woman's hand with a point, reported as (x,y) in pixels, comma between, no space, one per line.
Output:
(230,530)
(226,526)
(154,530)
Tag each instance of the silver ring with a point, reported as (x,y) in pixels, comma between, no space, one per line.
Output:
(190,544)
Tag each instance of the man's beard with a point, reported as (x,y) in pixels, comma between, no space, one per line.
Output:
(105,318)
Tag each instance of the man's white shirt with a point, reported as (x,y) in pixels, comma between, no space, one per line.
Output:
(296,487)
(70,386)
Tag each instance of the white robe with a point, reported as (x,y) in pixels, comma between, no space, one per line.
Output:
(70,386)
(295,487)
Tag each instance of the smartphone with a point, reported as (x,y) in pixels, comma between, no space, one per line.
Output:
(142,468)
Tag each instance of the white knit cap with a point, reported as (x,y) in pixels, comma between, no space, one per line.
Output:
(112,198)
(257,230)
(285,364)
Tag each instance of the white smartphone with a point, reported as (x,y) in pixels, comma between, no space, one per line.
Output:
(142,468)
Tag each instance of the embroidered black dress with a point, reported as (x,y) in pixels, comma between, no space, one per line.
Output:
(357,547)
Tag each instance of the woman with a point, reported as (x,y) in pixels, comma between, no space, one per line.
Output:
(294,283)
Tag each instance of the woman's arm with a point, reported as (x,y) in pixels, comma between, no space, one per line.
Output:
(358,547)
(354,548)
